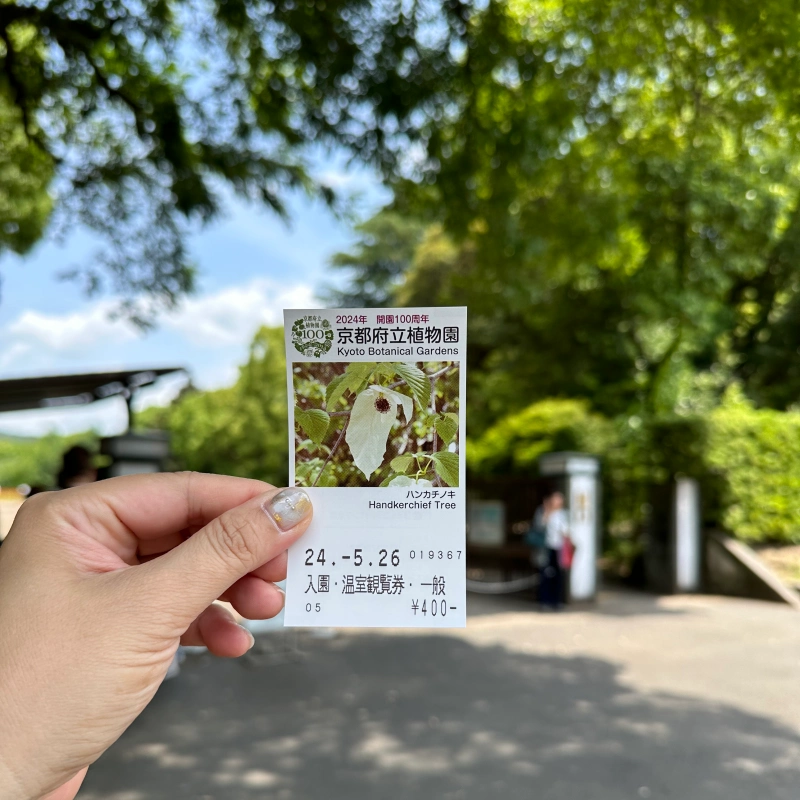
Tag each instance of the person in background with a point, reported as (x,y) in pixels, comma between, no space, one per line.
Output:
(552,517)
(535,538)
(76,468)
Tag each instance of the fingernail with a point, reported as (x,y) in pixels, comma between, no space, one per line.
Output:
(249,636)
(288,508)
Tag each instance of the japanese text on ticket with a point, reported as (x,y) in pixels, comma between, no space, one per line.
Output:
(376,437)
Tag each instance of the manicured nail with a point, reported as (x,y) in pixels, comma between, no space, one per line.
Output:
(289,508)
(249,636)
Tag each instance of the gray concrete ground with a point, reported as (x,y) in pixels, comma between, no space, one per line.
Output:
(641,697)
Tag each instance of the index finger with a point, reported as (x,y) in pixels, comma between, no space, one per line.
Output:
(149,506)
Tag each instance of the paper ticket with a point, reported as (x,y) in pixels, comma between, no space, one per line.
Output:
(376,437)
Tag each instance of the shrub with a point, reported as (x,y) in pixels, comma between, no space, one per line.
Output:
(238,430)
(757,452)
(747,461)
(515,443)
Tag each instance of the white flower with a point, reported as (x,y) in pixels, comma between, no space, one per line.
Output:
(405,480)
(371,420)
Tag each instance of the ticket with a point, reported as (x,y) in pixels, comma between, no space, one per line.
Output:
(376,437)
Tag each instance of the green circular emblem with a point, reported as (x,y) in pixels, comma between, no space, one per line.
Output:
(312,335)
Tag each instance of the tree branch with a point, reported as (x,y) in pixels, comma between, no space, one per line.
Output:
(432,377)
(134,107)
(435,443)
(767,285)
(330,455)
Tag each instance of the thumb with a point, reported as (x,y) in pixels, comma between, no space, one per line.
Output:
(198,571)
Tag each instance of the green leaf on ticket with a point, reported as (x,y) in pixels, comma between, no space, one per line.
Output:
(446,466)
(313,421)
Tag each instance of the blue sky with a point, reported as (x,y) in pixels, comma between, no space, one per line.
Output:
(251,266)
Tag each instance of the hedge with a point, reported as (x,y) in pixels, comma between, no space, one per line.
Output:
(757,452)
(747,460)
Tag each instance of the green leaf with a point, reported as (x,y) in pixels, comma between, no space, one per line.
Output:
(446,466)
(417,381)
(359,386)
(447,427)
(314,422)
(401,463)
(361,369)
(356,378)
(327,479)
(305,471)
(386,369)
(335,389)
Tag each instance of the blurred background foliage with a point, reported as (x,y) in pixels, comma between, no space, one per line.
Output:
(610,187)
(239,430)
(36,461)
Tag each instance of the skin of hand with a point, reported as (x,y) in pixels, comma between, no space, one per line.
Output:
(98,586)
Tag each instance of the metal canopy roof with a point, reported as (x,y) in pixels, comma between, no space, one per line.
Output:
(55,391)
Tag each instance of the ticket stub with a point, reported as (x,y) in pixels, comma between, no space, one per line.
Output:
(376,437)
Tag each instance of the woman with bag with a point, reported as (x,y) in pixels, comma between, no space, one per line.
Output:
(552,517)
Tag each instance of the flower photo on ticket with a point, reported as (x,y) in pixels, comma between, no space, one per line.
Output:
(381,424)
(376,438)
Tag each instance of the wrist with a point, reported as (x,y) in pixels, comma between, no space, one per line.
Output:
(15,766)
(10,784)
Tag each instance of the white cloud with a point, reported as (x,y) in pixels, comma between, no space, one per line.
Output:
(212,330)
(231,316)
(33,336)
(35,341)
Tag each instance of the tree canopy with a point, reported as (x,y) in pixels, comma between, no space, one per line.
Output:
(634,159)
(617,204)
(25,173)
(135,116)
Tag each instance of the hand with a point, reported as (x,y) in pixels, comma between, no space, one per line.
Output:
(98,586)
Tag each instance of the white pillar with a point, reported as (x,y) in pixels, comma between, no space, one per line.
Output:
(687,535)
(582,490)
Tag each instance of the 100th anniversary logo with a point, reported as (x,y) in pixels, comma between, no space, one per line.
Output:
(312,335)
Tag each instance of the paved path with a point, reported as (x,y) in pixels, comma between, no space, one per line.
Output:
(684,698)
